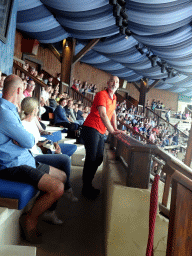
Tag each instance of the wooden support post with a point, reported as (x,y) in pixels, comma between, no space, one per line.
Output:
(72,63)
(143,91)
(37,92)
(188,155)
(180,219)
(139,170)
(67,58)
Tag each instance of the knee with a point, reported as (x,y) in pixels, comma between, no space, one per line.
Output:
(58,190)
(66,160)
(64,177)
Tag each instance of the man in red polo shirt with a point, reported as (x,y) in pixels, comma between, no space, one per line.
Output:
(101,118)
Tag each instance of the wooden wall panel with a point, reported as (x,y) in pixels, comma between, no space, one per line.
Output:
(84,72)
(50,63)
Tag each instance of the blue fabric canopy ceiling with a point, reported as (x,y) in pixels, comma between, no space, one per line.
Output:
(159,46)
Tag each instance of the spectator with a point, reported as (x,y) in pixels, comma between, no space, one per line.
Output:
(152,136)
(30,88)
(75,85)
(2,78)
(45,95)
(52,102)
(49,81)
(167,115)
(71,113)
(175,140)
(40,76)
(32,71)
(59,77)
(84,88)
(80,112)
(61,119)
(26,66)
(29,109)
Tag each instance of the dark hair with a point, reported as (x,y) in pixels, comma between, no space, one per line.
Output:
(62,99)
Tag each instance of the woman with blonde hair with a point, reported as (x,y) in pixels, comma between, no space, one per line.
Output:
(29,110)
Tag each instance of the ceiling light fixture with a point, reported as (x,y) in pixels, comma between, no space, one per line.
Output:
(139,48)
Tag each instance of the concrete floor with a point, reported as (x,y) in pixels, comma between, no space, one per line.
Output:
(82,233)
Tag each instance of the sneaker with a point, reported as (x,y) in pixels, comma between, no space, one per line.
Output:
(90,193)
(51,217)
(69,194)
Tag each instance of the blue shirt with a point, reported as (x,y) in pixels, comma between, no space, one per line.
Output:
(11,128)
(60,115)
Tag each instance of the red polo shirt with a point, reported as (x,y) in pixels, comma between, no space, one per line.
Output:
(93,120)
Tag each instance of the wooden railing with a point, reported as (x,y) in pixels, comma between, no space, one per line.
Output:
(135,133)
(137,159)
(18,70)
(150,113)
(79,96)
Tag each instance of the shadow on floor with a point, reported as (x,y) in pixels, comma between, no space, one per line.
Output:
(82,233)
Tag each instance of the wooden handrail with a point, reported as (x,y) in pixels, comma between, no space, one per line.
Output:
(137,133)
(166,121)
(80,94)
(35,79)
(42,84)
(134,156)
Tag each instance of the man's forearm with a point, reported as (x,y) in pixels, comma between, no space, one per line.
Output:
(114,121)
(107,123)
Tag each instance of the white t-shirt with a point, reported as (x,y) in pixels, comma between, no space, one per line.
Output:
(45,95)
(31,127)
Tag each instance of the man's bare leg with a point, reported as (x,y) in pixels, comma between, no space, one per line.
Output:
(58,174)
(54,189)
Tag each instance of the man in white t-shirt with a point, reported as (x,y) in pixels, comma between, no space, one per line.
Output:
(45,95)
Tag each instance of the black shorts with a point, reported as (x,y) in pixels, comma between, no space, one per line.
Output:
(25,173)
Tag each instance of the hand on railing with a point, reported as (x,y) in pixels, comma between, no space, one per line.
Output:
(116,132)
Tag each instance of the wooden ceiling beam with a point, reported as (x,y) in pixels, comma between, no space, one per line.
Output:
(55,52)
(136,86)
(153,84)
(88,47)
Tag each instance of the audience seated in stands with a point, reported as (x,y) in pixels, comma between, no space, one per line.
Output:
(148,128)
(61,119)
(70,113)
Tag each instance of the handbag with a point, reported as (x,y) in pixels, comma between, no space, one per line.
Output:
(48,147)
